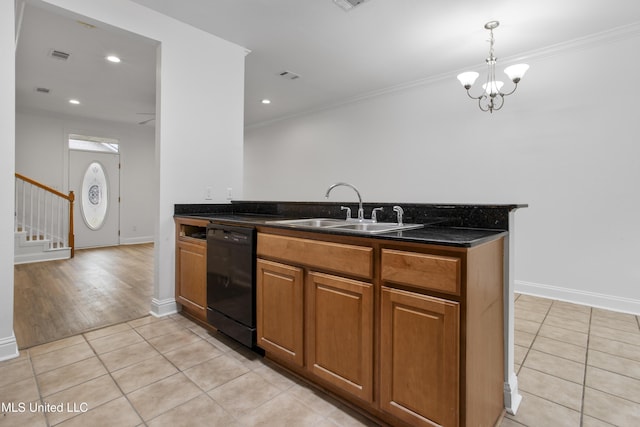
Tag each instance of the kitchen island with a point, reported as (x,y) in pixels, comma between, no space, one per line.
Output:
(408,326)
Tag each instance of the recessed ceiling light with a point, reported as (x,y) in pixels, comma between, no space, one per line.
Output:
(266,101)
(74,101)
(113,58)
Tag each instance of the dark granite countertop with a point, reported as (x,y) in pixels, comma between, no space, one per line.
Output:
(436,233)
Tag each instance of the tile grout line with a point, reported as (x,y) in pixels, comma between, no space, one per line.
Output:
(144,422)
(179,371)
(584,376)
(535,336)
(35,379)
(585,363)
(532,341)
(113,379)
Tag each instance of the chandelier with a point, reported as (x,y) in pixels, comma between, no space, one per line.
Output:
(492,98)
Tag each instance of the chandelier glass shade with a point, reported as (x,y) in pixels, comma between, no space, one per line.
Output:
(492,98)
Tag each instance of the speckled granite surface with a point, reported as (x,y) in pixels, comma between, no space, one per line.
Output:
(445,224)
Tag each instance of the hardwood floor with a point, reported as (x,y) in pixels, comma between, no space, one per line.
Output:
(97,288)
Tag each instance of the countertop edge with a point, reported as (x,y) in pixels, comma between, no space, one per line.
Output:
(413,236)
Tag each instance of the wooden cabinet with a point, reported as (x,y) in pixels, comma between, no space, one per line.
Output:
(410,333)
(279,310)
(441,349)
(422,270)
(339,316)
(335,313)
(419,358)
(191,267)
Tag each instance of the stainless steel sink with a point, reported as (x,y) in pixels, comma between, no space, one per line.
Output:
(310,222)
(346,226)
(379,227)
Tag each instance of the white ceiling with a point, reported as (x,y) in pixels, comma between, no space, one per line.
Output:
(106,91)
(339,55)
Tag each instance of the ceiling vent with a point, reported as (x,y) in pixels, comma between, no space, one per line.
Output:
(289,75)
(58,54)
(43,90)
(347,5)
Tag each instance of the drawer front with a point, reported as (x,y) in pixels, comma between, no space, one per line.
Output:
(336,257)
(426,271)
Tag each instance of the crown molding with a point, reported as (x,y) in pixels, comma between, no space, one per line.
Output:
(608,36)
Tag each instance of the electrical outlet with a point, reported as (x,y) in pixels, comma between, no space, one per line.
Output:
(208,194)
(229,193)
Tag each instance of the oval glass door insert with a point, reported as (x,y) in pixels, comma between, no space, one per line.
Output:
(95,199)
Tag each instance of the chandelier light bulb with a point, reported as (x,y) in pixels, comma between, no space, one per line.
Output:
(468,78)
(493,87)
(515,72)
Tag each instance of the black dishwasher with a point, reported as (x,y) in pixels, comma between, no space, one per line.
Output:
(231,281)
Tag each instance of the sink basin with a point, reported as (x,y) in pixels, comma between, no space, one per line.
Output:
(346,226)
(311,222)
(378,227)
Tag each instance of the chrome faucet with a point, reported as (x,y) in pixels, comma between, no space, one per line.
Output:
(400,212)
(348,209)
(360,210)
(374,217)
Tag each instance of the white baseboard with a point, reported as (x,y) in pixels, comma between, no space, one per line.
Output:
(136,240)
(53,255)
(8,348)
(512,398)
(161,308)
(593,299)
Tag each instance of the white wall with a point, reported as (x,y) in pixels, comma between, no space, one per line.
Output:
(42,154)
(566,143)
(199,128)
(8,345)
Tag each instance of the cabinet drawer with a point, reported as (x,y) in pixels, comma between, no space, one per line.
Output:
(336,257)
(436,272)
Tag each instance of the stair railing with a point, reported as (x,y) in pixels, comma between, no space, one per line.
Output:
(44,213)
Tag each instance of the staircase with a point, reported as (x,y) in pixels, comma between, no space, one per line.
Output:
(43,222)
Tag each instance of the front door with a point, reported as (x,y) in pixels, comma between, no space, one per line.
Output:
(94,178)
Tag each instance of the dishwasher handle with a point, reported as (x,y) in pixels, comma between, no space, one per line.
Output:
(225,233)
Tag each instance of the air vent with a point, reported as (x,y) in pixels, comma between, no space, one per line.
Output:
(348,4)
(43,90)
(58,54)
(289,75)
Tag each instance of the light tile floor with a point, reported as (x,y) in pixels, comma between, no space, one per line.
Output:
(158,372)
(577,366)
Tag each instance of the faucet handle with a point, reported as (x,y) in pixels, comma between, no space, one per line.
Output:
(400,212)
(348,209)
(374,212)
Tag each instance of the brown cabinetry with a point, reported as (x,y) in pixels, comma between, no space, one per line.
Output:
(419,352)
(279,310)
(311,315)
(191,266)
(410,333)
(441,346)
(339,317)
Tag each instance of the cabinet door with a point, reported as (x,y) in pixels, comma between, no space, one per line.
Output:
(279,310)
(191,277)
(419,358)
(340,332)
